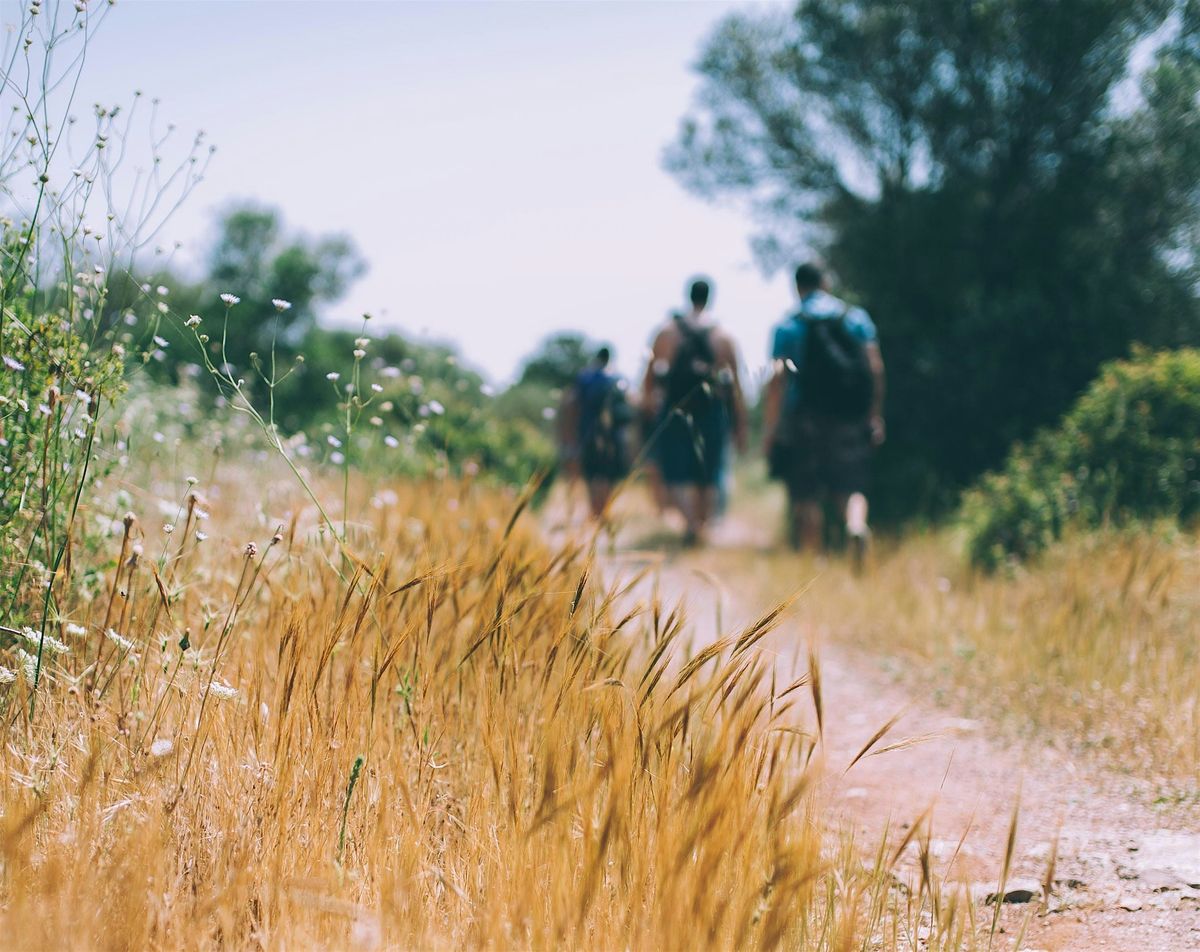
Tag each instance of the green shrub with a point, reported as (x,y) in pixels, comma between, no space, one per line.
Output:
(1129,449)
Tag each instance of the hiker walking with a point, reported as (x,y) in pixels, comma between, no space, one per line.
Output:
(692,393)
(595,430)
(824,411)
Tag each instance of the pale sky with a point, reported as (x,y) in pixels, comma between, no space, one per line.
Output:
(498,164)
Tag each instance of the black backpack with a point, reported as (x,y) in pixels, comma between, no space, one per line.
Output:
(691,380)
(835,374)
(605,415)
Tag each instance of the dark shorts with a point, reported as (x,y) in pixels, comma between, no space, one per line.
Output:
(691,448)
(604,459)
(824,456)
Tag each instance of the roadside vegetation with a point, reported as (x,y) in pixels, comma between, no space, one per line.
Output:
(286,661)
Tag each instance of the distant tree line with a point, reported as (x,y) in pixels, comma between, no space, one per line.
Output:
(446,412)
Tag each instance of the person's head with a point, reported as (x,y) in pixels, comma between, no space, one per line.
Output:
(809,278)
(699,293)
(603,356)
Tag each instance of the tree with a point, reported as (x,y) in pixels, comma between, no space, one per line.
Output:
(988,177)
(254,259)
(557,361)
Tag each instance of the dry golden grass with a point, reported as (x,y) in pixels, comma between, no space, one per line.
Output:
(457,738)
(1095,643)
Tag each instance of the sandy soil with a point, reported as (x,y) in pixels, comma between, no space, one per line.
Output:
(1127,873)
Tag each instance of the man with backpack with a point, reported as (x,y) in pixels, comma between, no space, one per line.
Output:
(824,411)
(595,430)
(692,393)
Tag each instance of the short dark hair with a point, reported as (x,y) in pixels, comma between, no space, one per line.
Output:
(603,356)
(699,291)
(809,277)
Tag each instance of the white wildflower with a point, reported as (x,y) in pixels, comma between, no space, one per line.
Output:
(43,409)
(337,458)
(13,364)
(193,321)
(168,527)
(333,440)
(376,388)
(163,290)
(230,300)
(224,691)
(161,747)
(84,398)
(201,536)
(281,305)
(163,308)
(390,372)
(376,421)
(548,413)
(120,641)
(29,664)
(161,341)
(391,441)
(436,408)
(359,353)
(333,375)
(74,630)
(7,675)
(33,638)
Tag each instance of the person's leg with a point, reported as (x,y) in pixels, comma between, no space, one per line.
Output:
(853,507)
(687,499)
(599,491)
(810,523)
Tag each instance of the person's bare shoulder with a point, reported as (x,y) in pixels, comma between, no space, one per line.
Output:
(724,346)
(665,339)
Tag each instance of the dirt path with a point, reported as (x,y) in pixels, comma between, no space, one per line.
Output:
(1127,874)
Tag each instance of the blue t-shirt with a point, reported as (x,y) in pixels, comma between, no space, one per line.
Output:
(788,342)
(592,387)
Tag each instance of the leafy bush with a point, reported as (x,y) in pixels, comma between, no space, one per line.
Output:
(1127,450)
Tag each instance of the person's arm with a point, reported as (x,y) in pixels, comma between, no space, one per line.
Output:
(568,429)
(737,399)
(649,401)
(875,360)
(773,404)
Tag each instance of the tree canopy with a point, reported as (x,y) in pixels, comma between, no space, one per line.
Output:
(1009,186)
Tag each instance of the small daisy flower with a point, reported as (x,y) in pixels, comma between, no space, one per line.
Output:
(193,321)
(13,364)
(281,305)
(333,375)
(229,300)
